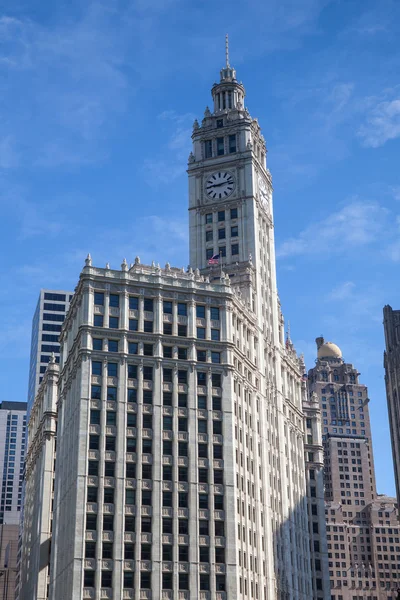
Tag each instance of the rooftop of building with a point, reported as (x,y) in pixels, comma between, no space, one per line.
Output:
(20,406)
(328,350)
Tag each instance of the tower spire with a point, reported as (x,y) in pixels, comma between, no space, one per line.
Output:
(227,51)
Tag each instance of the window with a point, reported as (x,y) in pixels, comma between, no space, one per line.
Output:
(209,218)
(234,249)
(148,373)
(209,253)
(182,424)
(182,400)
(97,344)
(114,300)
(148,304)
(96,392)
(215,335)
(133,347)
(147,397)
(113,322)
(234,213)
(182,449)
(94,417)
(167,375)
(209,236)
(167,526)
(234,231)
(221,234)
(133,303)
(98,320)
(220,146)
(182,309)
(112,394)
(222,251)
(208,148)
(90,550)
(214,313)
(148,349)
(96,368)
(216,357)
(182,353)
(202,402)
(167,398)
(182,376)
(182,330)
(201,333)
(99,298)
(200,311)
(111,417)
(148,326)
(132,395)
(167,307)
(220,123)
(167,423)
(107,550)
(113,345)
(88,579)
(221,215)
(133,324)
(146,498)
(112,369)
(108,522)
(167,328)
(201,378)
(145,580)
(202,355)
(232,144)
(132,371)
(167,351)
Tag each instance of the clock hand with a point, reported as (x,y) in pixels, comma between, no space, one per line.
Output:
(218,184)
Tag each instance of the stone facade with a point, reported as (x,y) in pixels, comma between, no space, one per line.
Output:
(38,506)
(354,534)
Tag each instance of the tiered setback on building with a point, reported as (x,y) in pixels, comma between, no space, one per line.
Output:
(364,557)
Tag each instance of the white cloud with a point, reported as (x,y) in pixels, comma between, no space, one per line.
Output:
(356,224)
(382,124)
(344,291)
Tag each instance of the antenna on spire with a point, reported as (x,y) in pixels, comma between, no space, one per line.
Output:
(227,51)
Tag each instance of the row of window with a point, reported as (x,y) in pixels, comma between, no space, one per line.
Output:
(148,349)
(112,371)
(221,216)
(222,251)
(167,425)
(148,305)
(113,323)
(220,146)
(222,233)
(145,580)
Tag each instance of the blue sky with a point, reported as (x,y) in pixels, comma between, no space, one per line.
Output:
(97,101)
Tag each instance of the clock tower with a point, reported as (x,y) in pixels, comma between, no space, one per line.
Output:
(230,188)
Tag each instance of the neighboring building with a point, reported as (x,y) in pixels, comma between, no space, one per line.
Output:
(364,557)
(180,468)
(391,324)
(47,321)
(8,560)
(12,455)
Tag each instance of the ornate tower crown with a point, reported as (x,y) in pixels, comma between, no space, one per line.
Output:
(228,94)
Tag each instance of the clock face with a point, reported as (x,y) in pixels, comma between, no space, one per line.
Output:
(263,191)
(220,185)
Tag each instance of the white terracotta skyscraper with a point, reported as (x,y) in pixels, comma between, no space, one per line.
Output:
(180,470)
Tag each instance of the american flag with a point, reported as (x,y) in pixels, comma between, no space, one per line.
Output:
(213,260)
